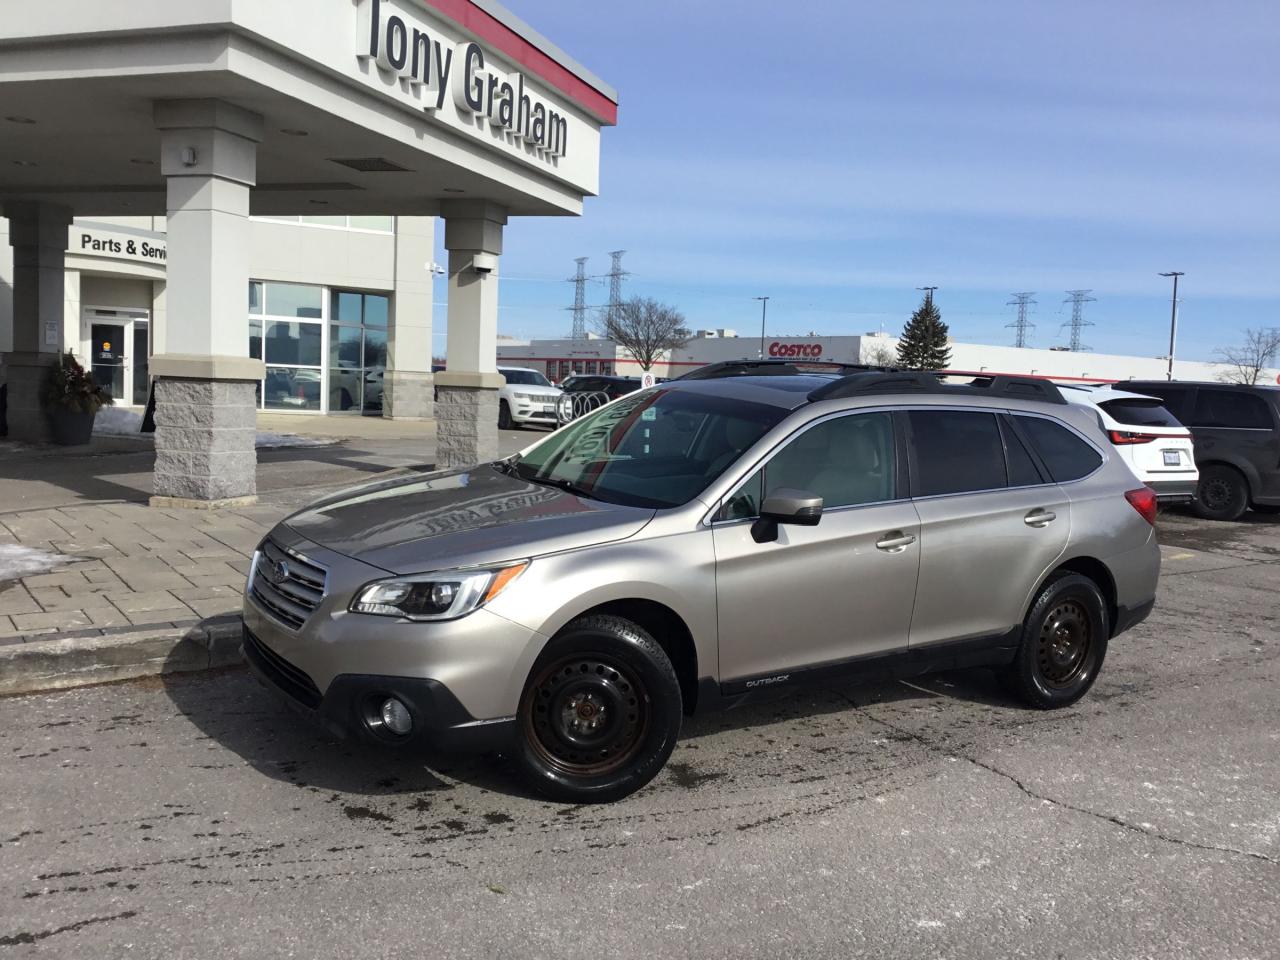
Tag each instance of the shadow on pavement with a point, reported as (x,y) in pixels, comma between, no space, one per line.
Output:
(232,709)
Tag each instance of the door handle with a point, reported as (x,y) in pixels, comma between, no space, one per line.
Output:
(1039,518)
(895,541)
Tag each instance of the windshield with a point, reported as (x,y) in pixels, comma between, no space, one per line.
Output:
(656,448)
(526,377)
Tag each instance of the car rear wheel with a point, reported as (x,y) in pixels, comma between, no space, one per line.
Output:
(1064,641)
(599,714)
(1221,495)
(504,416)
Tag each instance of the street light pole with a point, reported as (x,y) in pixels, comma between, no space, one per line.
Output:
(764,309)
(1173,319)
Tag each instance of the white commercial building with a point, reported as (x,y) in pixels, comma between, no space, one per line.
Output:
(203,144)
(559,358)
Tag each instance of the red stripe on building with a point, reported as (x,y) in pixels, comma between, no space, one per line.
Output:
(494,32)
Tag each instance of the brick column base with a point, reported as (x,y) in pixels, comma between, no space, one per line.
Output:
(25,374)
(205,436)
(408,395)
(466,426)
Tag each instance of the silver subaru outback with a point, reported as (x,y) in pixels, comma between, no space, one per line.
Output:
(713,539)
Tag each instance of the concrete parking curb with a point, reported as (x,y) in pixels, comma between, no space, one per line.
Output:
(65,662)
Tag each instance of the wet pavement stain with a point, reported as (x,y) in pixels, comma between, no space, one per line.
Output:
(364,813)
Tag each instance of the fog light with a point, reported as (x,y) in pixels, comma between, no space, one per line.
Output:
(395,716)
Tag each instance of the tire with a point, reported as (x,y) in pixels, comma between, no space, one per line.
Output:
(504,416)
(599,714)
(1222,494)
(1064,642)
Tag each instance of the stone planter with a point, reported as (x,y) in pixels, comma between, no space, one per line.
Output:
(70,427)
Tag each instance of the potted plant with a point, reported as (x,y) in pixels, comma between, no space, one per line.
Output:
(72,399)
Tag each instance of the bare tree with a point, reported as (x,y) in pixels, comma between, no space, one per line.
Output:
(878,355)
(646,329)
(1246,363)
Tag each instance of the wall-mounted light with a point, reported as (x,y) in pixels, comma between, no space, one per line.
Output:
(188,156)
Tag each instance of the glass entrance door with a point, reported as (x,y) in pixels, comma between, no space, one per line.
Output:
(141,366)
(108,358)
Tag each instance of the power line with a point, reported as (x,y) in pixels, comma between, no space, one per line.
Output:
(1077,322)
(579,308)
(1022,324)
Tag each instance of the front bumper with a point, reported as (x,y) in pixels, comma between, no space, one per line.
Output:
(1174,491)
(349,708)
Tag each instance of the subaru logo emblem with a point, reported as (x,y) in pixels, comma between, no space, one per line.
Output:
(278,572)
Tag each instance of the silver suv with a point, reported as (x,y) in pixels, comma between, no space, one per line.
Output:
(705,541)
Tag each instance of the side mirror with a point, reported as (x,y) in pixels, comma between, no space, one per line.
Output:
(786,505)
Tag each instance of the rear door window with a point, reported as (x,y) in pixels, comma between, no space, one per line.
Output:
(956,451)
(1230,408)
(1066,455)
(1137,412)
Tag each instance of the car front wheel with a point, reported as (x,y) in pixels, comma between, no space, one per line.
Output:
(1064,641)
(600,712)
(504,416)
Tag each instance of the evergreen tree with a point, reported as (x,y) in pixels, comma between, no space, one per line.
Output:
(923,345)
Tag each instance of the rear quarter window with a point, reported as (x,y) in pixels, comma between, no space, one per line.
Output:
(1066,456)
(1230,408)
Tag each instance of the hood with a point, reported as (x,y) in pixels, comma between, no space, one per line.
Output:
(535,388)
(460,518)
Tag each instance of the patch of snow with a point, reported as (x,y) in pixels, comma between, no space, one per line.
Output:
(119,422)
(269,439)
(16,561)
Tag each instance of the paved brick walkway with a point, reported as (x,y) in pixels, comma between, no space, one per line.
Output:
(135,566)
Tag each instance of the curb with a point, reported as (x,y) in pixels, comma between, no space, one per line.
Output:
(59,664)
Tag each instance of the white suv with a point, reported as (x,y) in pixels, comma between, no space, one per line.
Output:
(527,397)
(1148,438)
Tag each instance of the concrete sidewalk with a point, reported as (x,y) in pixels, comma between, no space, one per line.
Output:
(132,574)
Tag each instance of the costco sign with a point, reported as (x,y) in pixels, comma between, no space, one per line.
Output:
(811,350)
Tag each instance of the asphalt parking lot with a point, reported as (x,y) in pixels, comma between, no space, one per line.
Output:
(198,817)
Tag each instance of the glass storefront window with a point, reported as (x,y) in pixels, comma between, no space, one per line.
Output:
(255,296)
(325,221)
(255,338)
(293,343)
(344,347)
(346,307)
(292,388)
(375,348)
(375,310)
(293,300)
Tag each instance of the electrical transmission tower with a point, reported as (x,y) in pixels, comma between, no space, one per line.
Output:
(1022,324)
(1077,323)
(615,275)
(579,308)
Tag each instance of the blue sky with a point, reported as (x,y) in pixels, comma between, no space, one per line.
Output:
(835,156)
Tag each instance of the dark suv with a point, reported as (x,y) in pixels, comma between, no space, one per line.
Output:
(1236,429)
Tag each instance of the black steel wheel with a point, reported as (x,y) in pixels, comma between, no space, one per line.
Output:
(1222,494)
(1064,642)
(600,712)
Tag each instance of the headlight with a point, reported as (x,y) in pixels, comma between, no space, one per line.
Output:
(525,396)
(435,596)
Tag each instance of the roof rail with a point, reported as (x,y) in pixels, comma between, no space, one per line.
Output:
(924,381)
(774,368)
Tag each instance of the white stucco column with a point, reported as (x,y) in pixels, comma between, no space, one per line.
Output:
(467,409)
(38,235)
(407,381)
(206,420)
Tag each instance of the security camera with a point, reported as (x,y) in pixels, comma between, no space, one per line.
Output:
(484,263)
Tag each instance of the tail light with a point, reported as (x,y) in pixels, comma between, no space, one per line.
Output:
(1122,438)
(1144,501)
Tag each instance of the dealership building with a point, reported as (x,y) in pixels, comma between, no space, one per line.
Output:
(560,358)
(236,203)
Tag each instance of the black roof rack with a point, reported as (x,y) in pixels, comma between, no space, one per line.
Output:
(923,381)
(774,368)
